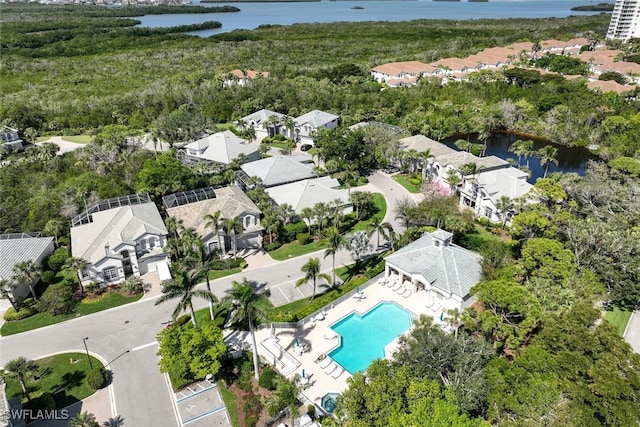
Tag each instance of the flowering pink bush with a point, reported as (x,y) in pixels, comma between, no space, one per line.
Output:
(436,190)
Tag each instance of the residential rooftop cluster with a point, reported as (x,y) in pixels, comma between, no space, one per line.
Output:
(599,58)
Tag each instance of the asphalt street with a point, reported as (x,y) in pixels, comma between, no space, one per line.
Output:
(125,336)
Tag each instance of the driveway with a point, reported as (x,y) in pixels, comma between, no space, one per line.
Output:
(125,336)
(632,333)
(65,146)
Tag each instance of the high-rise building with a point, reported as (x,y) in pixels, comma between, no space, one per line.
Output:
(625,20)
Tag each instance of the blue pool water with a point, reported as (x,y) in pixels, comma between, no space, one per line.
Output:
(364,337)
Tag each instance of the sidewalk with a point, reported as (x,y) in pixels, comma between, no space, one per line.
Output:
(98,404)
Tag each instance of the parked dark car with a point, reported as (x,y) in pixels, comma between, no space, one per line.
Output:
(306,147)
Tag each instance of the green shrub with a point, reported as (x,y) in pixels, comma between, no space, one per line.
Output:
(311,411)
(415,181)
(626,164)
(97,378)
(60,298)
(303,238)
(283,316)
(11,315)
(268,378)
(91,287)
(272,247)
(363,180)
(57,259)
(291,230)
(47,277)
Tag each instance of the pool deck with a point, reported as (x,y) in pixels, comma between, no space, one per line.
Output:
(316,338)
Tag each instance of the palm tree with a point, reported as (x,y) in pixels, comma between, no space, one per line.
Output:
(321,211)
(335,242)
(286,212)
(200,261)
(27,272)
(213,221)
(547,154)
(84,419)
(188,238)
(517,148)
(290,125)
(454,318)
(424,156)
(504,204)
(311,270)
(6,291)
(174,225)
(53,226)
(244,308)
(308,214)
(273,122)
(412,156)
(233,227)
(182,287)
(348,174)
(337,206)
(453,178)
(270,222)
(20,369)
(78,265)
(381,228)
(173,248)
(118,421)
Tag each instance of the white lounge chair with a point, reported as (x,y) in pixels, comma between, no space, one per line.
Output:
(329,369)
(429,303)
(400,290)
(337,372)
(396,286)
(324,362)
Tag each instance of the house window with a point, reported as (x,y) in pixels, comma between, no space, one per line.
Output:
(488,212)
(151,243)
(84,273)
(110,273)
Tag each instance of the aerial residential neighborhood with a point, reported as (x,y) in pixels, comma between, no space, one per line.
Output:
(425,223)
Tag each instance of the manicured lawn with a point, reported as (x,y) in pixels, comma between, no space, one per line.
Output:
(62,378)
(78,139)
(216,274)
(279,145)
(402,180)
(294,249)
(618,318)
(220,312)
(42,138)
(44,319)
(231,402)
(380,208)
(225,126)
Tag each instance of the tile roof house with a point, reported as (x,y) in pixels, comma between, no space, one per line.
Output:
(609,86)
(444,270)
(123,237)
(278,170)
(231,202)
(421,143)
(20,247)
(265,123)
(221,148)
(482,191)
(309,192)
(241,77)
(307,125)
(401,73)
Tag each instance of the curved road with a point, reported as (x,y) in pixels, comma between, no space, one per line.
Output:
(125,336)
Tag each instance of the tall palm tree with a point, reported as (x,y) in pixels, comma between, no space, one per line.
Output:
(214,221)
(6,291)
(27,272)
(311,270)
(84,419)
(290,125)
(348,174)
(321,212)
(118,421)
(454,318)
(233,227)
(308,214)
(517,148)
(504,204)
(244,309)
(286,212)
(380,228)
(200,261)
(188,238)
(424,156)
(182,287)
(270,222)
(173,248)
(547,154)
(21,369)
(337,207)
(174,225)
(412,157)
(77,265)
(273,122)
(335,242)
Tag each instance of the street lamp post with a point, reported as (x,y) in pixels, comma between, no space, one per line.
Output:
(84,340)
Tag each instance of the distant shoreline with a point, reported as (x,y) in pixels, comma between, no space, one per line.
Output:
(600,7)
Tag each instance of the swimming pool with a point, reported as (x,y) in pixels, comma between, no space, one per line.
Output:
(364,337)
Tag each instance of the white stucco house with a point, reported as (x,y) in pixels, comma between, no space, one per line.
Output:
(307,125)
(120,237)
(445,271)
(192,206)
(19,247)
(9,139)
(309,192)
(482,191)
(278,170)
(265,123)
(397,74)
(221,148)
